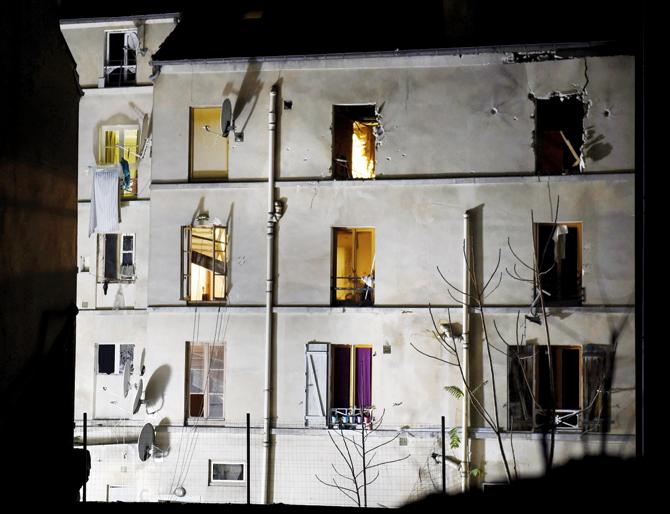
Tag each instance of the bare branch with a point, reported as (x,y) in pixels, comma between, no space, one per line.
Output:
(432,356)
(494,272)
(496,287)
(509,244)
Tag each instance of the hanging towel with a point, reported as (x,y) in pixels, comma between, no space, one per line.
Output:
(105,208)
(559,242)
(126,174)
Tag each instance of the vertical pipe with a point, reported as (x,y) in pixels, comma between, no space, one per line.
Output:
(269,288)
(248,459)
(465,459)
(444,462)
(83,495)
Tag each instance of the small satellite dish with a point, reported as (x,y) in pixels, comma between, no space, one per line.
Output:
(145,443)
(138,397)
(226,118)
(133,41)
(126,378)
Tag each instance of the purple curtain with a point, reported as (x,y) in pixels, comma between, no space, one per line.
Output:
(363,377)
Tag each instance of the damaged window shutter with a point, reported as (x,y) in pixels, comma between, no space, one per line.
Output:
(521,372)
(111,256)
(596,365)
(316,390)
(342,140)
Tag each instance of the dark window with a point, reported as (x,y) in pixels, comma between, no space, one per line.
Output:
(121,59)
(106,354)
(559,258)
(351,375)
(580,387)
(567,384)
(354,141)
(116,257)
(113,358)
(559,128)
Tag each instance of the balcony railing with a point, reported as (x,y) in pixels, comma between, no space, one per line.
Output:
(350,417)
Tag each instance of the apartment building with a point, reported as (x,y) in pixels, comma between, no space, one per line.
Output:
(286,222)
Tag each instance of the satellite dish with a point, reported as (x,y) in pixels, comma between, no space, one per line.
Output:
(126,379)
(145,443)
(226,118)
(138,397)
(133,41)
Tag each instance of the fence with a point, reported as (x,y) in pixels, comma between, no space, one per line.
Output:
(217,464)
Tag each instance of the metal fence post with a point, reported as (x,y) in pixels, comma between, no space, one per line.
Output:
(248,459)
(83,496)
(444,463)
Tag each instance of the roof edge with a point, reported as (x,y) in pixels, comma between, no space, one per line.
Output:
(582,48)
(107,19)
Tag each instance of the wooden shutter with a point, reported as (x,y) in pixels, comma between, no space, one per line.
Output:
(520,376)
(316,389)
(185,292)
(596,364)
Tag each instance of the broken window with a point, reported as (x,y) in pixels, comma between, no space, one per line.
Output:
(118,145)
(209,149)
(205,380)
(120,58)
(227,472)
(116,257)
(354,141)
(558,249)
(339,384)
(204,266)
(353,266)
(579,381)
(113,358)
(559,129)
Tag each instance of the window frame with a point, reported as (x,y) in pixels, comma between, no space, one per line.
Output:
(132,165)
(186,257)
(128,71)
(349,416)
(213,481)
(206,393)
(224,174)
(355,279)
(540,133)
(591,356)
(341,115)
(118,370)
(100,264)
(554,300)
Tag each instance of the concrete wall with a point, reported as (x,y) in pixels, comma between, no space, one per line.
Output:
(443,116)
(437,120)
(113,106)
(120,295)
(87,43)
(417,227)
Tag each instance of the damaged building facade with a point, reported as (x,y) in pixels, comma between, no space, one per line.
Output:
(376,161)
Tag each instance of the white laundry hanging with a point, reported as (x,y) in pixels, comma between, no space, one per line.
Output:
(105,208)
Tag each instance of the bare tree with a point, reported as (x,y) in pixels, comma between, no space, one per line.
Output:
(361,469)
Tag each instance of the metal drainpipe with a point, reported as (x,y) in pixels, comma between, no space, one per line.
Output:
(269,290)
(465,460)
